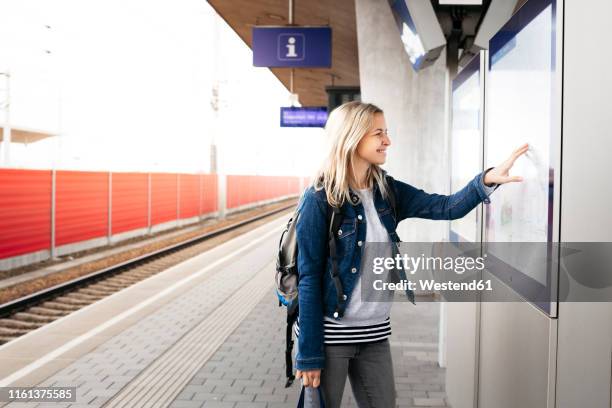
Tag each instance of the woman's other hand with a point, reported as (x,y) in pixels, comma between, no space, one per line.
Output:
(499,174)
(310,378)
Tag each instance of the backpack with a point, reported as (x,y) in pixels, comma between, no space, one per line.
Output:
(287,276)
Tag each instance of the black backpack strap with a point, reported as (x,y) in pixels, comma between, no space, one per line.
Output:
(292,314)
(334,227)
(391,194)
(334,218)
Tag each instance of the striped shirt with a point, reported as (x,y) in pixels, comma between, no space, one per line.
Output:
(337,333)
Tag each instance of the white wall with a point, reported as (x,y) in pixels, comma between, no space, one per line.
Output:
(584,372)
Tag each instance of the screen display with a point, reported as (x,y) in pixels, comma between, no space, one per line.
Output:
(520,110)
(465,143)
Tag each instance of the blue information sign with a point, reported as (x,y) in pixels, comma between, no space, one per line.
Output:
(292,47)
(304,117)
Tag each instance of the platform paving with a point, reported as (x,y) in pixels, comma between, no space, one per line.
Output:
(248,369)
(101,374)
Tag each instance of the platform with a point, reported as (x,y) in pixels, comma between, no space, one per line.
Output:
(209,333)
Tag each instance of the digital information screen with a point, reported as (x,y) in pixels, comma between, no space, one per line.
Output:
(466,135)
(520,104)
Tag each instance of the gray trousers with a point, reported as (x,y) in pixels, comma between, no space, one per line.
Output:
(369,369)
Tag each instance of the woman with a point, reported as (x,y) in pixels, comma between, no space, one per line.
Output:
(343,336)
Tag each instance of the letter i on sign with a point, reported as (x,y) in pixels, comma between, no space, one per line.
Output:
(291,48)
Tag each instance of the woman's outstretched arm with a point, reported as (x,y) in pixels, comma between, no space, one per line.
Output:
(413,202)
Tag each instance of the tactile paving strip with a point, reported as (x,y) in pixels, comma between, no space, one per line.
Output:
(159,384)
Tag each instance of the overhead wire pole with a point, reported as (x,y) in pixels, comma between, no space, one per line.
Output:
(215,167)
(54,53)
(292,71)
(215,98)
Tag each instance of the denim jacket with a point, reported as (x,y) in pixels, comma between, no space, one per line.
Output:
(317,293)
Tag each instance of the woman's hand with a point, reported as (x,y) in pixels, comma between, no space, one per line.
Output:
(499,174)
(310,378)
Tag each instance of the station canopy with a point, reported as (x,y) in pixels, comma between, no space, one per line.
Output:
(308,83)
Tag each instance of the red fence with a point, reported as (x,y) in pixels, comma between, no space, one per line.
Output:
(164,198)
(25,211)
(130,198)
(86,209)
(208,186)
(81,211)
(243,190)
(189,203)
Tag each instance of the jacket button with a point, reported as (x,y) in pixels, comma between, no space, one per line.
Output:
(359,217)
(336,315)
(344,297)
(339,232)
(354,199)
(360,243)
(354,270)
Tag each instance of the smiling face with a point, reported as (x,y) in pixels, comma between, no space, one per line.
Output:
(372,147)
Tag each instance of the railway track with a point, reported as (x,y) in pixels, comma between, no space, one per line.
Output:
(31,312)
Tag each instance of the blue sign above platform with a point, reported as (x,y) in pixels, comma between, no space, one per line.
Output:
(288,46)
(304,117)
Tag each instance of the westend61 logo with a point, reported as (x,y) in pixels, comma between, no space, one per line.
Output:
(412,264)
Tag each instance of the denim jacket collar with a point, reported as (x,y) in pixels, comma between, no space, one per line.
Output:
(355,200)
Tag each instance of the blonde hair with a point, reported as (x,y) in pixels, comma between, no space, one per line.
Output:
(345,127)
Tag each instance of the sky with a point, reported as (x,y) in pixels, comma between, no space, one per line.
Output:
(127,86)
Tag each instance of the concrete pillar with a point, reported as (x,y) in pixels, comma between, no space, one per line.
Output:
(200,196)
(178,198)
(415,106)
(149,177)
(110,208)
(53,211)
(222,194)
